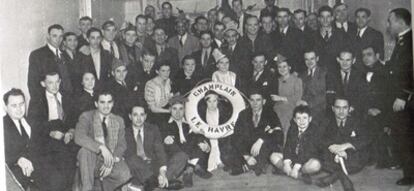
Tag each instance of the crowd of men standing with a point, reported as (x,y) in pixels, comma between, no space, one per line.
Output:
(110,101)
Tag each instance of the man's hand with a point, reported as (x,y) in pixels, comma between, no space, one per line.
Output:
(278,98)
(374,112)
(251,161)
(399,105)
(287,169)
(255,150)
(162,179)
(105,171)
(68,137)
(342,154)
(107,156)
(169,140)
(335,148)
(295,171)
(26,166)
(204,146)
(56,135)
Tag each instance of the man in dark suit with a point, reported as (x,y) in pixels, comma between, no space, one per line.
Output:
(101,136)
(71,56)
(401,71)
(288,40)
(344,145)
(299,19)
(128,50)
(301,153)
(177,137)
(48,58)
(205,64)
(270,9)
(328,41)
(53,111)
(146,157)
(267,24)
(239,15)
(85,23)
(98,61)
(261,77)
(346,82)
(366,36)
(23,146)
(341,20)
(218,33)
(187,78)
(164,53)
(183,42)
(314,85)
(257,135)
(200,25)
(167,22)
(377,104)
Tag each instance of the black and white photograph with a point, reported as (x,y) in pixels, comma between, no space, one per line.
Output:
(207,95)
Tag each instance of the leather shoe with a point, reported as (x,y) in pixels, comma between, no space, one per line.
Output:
(202,173)
(257,170)
(327,180)
(188,179)
(306,178)
(174,185)
(346,183)
(235,172)
(405,181)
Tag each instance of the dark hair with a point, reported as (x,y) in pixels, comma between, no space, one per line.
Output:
(54,26)
(130,28)
(93,29)
(161,64)
(12,92)
(85,18)
(301,109)
(49,73)
(403,14)
(365,10)
(107,24)
(284,9)
(200,18)
(241,2)
(254,90)
(258,53)
(67,34)
(219,23)
(346,50)
(147,52)
(325,8)
(187,57)
(310,49)
(340,4)
(140,16)
(266,15)
(182,20)
(159,28)
(102,92)
(297,11)
(143,106)
(340,97)
(166,3)
(206,32)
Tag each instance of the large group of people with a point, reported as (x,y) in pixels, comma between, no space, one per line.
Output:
(107,106)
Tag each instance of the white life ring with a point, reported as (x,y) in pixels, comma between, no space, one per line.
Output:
(198,125)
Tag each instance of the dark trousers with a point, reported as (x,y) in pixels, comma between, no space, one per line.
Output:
(262,158)
(355,163)
(403,132)
(142,170)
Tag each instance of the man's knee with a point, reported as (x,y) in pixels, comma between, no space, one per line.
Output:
(122,173)
(275,158)
(312,166)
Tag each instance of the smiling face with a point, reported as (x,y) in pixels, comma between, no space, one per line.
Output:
(206,40)
(189,66)
(341,13)
(311,60)
(181,28)
(138,116)
(109,33)
(256,102)
(259,63)
(325,19)
(55,37)
(16,107)
(302,120)
(362,19)
(160,37)
(71,42)
(88,81)
(164,72)
(223,64)
(120,73)
(148,62)
(85,25)
(267,24)
(283,68)
(231,37)
(130,37)
(212,102)
(252,25)
(51,83)
(177,111)
(104,104)
(95,39)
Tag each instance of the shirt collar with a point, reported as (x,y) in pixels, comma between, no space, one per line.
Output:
(172,120)
(404,32)
(361,31)
(284,30)
(338,121)
(258,112)
(50,95)
(53,49)
(89,91)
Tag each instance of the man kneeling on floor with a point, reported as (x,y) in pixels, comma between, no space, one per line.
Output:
(345,146)
(146,157)
(178,137)
(300,155)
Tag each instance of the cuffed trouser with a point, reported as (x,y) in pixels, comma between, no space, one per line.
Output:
(89,164)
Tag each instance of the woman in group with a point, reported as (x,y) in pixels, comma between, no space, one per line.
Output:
(223,74)
(215,111)
(84,97)
(289,93)
(158,92)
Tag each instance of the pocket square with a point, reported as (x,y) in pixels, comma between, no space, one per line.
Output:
(353,134)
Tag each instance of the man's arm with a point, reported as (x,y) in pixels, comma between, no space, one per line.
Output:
(81,134)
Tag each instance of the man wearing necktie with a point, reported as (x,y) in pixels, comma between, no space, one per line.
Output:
(101,136)
(23,148)
(145,155)
(184,42)
(341,19)
(109,32)
(344,138)
(53,111)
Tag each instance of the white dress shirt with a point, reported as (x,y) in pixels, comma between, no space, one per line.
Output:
(53,49)
(107,46)
(52,105)
(96,58)
(26,126)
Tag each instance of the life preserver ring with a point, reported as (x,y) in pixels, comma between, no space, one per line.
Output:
(198,125)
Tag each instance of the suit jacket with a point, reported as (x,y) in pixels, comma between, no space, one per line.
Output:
(85,136)
(207,70)
(170,56)
(354,91)
(239,60)
(182,85)
(371,37)
(15,146)
(82,41)
(74,69)
(291,46)
(245,135)
(314,90)
(123,97)
(83,102)
(262,43)
(352,29)
(153,145)
(273,11)
(307,145)
(137,78)
(87,65)
(354,132)
(168,25)
(129,57)
(191,44)
(42,61)
(401,66)
(329,50)
(264,82)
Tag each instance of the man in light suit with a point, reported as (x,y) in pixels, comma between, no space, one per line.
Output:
(101,135)
(146,157)
(341,20)
(184,42)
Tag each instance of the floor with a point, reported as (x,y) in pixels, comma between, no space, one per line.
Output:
(370,179)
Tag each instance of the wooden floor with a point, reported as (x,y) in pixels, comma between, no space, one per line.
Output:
(370,179)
